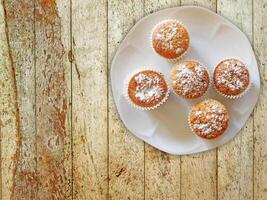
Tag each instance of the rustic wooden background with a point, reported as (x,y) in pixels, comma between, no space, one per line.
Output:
(61,137)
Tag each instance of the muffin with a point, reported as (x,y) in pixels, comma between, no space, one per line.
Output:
(147,89)
(209,119)
(189,79)
(231,78)
(170,39)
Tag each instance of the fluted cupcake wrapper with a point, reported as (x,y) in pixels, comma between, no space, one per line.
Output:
(189,122)
(209,85)
(126,95)
(151,41)
(233,96)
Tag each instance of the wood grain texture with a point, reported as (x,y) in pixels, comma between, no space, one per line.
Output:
(235,160)
(53,99)
(126,153)
(89,77)
(162,175)
(9,115)
(260,116)
(162,171)
(211,4)
(20,30)
(198,176)
(235,166)
(151,6)
(199,171)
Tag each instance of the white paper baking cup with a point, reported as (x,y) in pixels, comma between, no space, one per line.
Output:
(126,95)
(233,96)
(210,81)
(151,40)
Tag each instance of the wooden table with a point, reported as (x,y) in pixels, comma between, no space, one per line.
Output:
(61,137)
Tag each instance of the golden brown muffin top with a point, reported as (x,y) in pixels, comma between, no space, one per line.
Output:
(147,88)
(189,79)
(231,77)
(170,39)
(209,119)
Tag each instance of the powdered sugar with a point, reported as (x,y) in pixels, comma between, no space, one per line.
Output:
(190,79)
(233,74)
(212,119)
(148,88)
(170,37)
(178,50)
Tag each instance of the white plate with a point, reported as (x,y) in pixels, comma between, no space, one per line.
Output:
(213,38)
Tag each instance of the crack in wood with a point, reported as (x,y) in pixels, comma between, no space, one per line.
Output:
(72,60)
(18,136)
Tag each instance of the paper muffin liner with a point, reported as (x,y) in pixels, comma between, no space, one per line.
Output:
(151,41)
(190,124)
(126,85)
(209,85)
(233,96)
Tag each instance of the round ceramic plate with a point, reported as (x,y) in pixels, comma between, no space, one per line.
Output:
(213,38)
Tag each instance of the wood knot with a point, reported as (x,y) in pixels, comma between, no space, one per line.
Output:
(54,143)
(120,172)
(70,56)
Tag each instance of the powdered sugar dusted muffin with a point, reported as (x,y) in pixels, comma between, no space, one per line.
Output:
(147,89)
(209,119)
(231,78)
(170,39)
(189,79)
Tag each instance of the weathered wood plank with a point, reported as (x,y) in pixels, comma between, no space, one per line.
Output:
(52,25)
(89,78)
(9,115)
(260,116)
(198,172)
(162,171)
(126,153)
(162,174)
(20,25)
(235,160)
(235,166)
(198,176)
(155,5)
(211,4)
